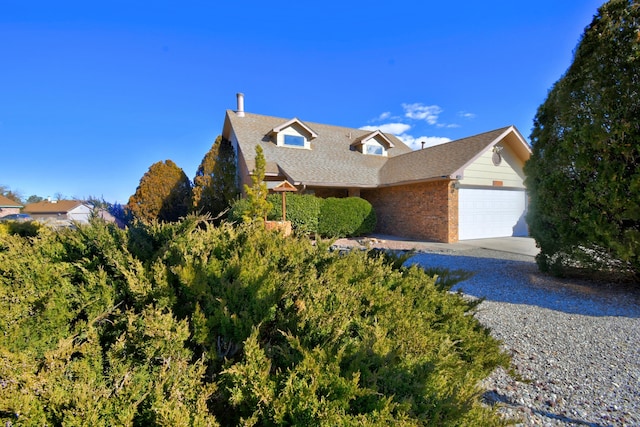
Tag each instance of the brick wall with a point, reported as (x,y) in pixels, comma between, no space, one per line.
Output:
(424,211)
(8,211)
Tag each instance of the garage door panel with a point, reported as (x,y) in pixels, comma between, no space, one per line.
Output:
(485,213)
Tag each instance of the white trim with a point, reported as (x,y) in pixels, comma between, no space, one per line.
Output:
(289,123)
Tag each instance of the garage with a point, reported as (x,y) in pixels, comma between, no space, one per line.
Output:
(485,213)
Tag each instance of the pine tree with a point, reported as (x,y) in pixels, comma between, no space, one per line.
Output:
(164,194)
(214,186)
(258,207)
(583,175)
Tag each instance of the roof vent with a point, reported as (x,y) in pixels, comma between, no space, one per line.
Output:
(240,110)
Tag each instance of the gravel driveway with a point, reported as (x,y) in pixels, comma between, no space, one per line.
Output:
(576,346)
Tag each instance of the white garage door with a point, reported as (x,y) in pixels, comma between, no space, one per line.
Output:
(485,213)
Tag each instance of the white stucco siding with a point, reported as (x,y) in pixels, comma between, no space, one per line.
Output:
(484,172)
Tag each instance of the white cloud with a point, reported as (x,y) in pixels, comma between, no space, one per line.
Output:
(400,129)
(466,115)
(416,143)
(418,111)
(386,116)
(392,128)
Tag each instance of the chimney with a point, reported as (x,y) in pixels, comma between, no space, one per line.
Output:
(240,110)
(423,145)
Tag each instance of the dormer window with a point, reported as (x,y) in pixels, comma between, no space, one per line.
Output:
(374,149)
(294,141)
(294,134)
(374,144)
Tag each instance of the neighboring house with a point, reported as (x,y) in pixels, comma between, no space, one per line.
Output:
(8,206)
(465,189)
(106,216)
(61,212)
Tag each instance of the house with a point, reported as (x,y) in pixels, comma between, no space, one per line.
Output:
(60,212)
(466,189)
(8,206)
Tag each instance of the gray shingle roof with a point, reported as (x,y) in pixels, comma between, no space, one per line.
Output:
(329,162)
(333,162)
(439,161)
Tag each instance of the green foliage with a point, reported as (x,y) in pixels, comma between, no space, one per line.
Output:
(296,330)
(257,207)
(87,338)
(164,194)
(583,176)
(238,207)
(332,217)
(351,216)
(303,210)
(214,186)
(190,324)
(21,228)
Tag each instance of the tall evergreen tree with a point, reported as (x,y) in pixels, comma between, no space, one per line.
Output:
(258,207)
(583,176)
(164,193)
(214,186)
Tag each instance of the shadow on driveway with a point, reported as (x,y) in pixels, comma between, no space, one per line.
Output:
(519,282)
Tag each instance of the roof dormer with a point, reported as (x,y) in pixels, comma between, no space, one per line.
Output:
(375,143)
(293,133)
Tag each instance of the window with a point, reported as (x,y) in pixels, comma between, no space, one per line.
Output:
(294,141)
(375,149)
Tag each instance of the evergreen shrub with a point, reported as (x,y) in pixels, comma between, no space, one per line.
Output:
(214,185)
(21,228)
(237,209)
(303,210)
(164,194)
(346,217)
(583,178)
(189,324)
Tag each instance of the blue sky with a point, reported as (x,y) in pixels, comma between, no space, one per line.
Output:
(93,93)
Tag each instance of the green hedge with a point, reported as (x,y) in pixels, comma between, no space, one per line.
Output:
(345,217)
(230,326)
(332,217)
(303,210)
